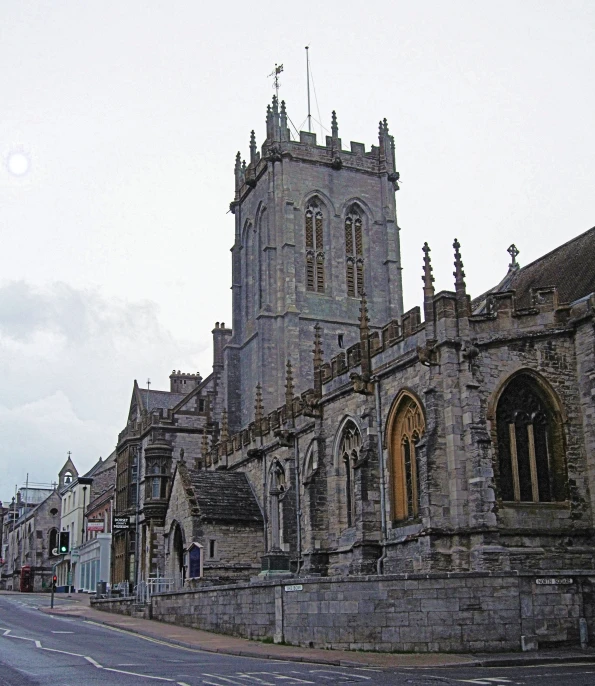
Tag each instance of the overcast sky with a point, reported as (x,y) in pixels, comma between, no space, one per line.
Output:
(119,126)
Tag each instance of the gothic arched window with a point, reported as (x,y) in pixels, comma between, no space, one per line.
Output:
(354,253)
(314,249)
(530,444)
(349,449)
(407,428)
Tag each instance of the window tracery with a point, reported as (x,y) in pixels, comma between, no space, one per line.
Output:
(530,455)
(315,277)
(354,253)
(349,450)
(408,427)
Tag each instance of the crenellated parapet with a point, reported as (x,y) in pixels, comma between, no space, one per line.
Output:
(279,145)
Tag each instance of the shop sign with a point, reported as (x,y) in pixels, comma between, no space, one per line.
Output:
(97,525)
(121,523)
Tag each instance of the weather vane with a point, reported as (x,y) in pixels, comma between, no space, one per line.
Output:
(275,74)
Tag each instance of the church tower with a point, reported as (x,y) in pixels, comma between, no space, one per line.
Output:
(315,227)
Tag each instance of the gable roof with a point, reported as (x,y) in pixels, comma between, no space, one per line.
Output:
(225,496)
(569,267)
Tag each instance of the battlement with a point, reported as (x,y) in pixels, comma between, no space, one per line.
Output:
(390,335)
(182,382)
(249,438)
(279,146)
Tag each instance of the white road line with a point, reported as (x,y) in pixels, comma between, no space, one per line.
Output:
(62,632)
(255,678)
(329,671)
(38,644)
(223,678)
(144,676)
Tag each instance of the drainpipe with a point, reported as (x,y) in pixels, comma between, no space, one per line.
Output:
(298,502)
(380,563)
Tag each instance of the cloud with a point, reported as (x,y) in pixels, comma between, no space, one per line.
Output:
(68,358)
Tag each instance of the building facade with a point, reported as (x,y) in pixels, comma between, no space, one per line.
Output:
(30,528)
(457,438)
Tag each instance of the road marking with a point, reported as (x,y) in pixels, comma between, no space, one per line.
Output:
(254,678)
(7,634)
(486,681)
(276,675)
(329,671)
(222,678)
(144,676)
(62,632)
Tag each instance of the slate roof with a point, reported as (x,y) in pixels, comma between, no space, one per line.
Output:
(160,399)
(570,267)
(225,496)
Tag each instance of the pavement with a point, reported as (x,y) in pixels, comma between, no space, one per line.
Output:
(78,606)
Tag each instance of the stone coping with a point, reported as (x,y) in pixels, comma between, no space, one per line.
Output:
(287,581)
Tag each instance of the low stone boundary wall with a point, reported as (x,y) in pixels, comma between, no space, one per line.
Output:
(120,606)
(420,613)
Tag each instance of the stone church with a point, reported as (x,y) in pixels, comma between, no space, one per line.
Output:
(341,437)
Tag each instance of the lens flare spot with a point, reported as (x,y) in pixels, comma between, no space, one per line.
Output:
(18,163)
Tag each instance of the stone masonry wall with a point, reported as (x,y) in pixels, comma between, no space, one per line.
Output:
(415,612)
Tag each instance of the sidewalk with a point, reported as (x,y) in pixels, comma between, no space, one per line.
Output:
(218,643)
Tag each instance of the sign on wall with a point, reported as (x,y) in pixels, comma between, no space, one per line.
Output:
(97,525)
(121,523)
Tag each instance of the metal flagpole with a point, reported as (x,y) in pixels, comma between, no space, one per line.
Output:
(308,80)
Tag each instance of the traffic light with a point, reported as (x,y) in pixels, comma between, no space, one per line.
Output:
(63,542)
(54,582)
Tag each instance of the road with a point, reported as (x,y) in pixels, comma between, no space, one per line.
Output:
(37,649)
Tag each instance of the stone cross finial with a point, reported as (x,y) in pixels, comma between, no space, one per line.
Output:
(252,147)
(334,125)
(428,277)
(289,390)
(275,105)
(513,251)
